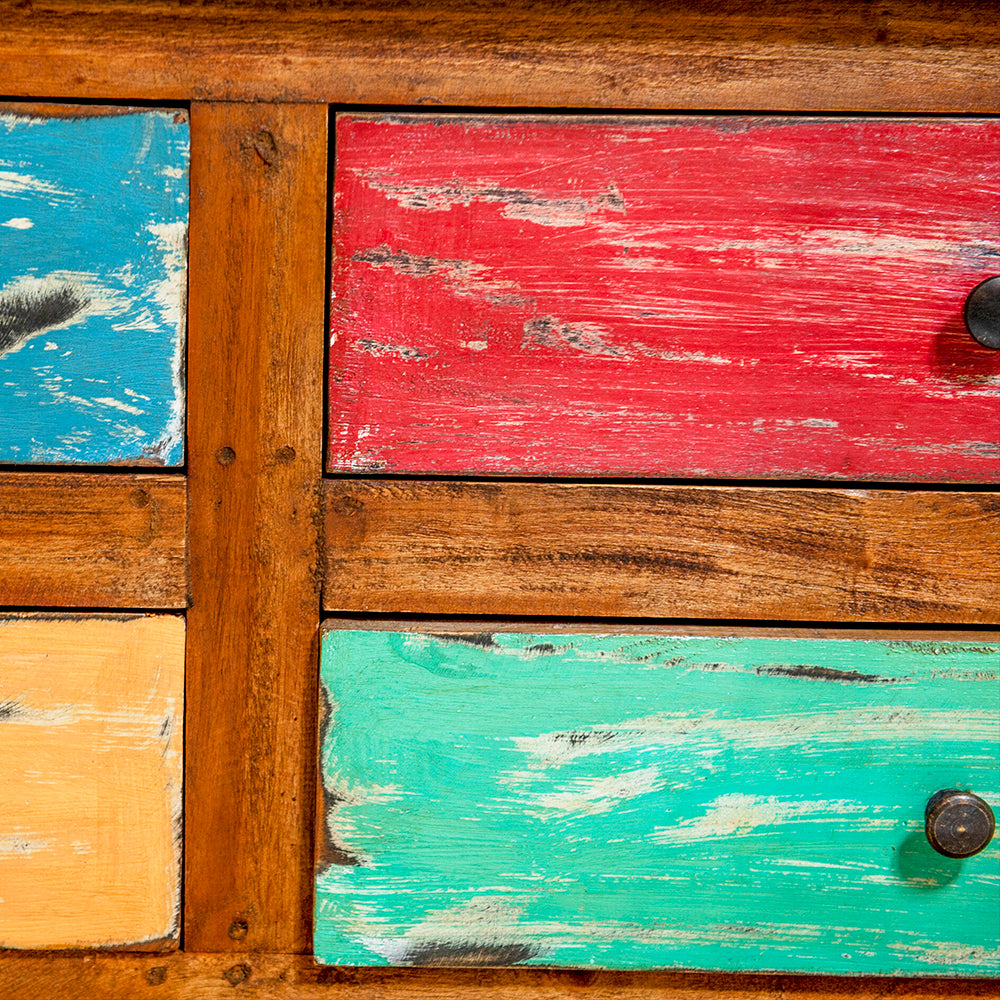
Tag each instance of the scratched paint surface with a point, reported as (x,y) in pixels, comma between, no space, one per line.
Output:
(654,801)
(682,297)
(93,259)
(91,739)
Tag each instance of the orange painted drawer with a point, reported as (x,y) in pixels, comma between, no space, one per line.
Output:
(91,740)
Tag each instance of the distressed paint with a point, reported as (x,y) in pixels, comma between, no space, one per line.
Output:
(675,297)
(91,740)
(654,801)
(93,262)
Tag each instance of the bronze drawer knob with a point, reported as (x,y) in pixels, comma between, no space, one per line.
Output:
(959,824)
(982,312)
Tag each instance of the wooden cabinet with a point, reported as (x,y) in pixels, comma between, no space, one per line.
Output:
(254,543)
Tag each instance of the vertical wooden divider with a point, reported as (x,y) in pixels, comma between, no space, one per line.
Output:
(255,373)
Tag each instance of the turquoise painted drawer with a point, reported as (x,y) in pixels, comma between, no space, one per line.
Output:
(93,263)
(750,802)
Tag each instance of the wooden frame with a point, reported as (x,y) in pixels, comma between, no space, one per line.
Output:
(260,77)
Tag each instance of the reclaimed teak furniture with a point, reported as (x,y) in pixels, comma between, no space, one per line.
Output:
(466,536)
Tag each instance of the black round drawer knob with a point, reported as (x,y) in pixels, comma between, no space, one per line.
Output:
(959,824)
(982,312)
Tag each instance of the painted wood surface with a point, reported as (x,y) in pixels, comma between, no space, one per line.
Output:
(85,540)
(91,741)
(902,55)
(740,803)
(675,297)
(93,255)
(662,551)
(258,176)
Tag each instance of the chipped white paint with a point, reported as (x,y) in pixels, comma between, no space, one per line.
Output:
(585,796)
(737,815)
(15,185)
(523,204)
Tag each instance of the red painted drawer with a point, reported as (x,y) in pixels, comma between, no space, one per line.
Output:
(679,297)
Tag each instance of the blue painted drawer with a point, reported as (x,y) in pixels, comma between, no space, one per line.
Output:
(745,802)
(93,262)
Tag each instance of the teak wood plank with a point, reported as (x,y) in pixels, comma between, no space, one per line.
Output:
(679,296)
(90,540)
(91,738)
(901,55)
(255,423)
(191,976)
(779,553)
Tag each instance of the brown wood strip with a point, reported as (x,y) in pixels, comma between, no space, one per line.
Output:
(289,977)
(258,213)
(930,55)
(811,554)
(79,540)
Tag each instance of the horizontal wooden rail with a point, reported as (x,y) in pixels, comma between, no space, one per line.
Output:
(900,55)
(83,540)
(804,554)
(290,977)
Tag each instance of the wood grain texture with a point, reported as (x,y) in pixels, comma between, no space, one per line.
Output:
(93,541)
(499,798)
(190,976)
(671,297)
(662,551)
(930,55)
(255,362)
(91,745)
(93,259)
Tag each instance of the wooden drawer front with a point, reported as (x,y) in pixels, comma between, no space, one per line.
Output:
(93,259)
(650,800)
(91,736)
(737,297)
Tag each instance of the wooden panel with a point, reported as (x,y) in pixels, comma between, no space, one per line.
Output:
(256,362)
(662,551)
(91,740)
(290,977)
(581,800)
(674,297)
(80,540)
(931,55)
(93,255)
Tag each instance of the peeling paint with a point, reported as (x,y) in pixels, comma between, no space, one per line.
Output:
(822,673)
(91,753)
(638,801)
(517,203)
(737,815)
(32,306)
(779,328)
(546,331)
(93,259)
(465,277)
